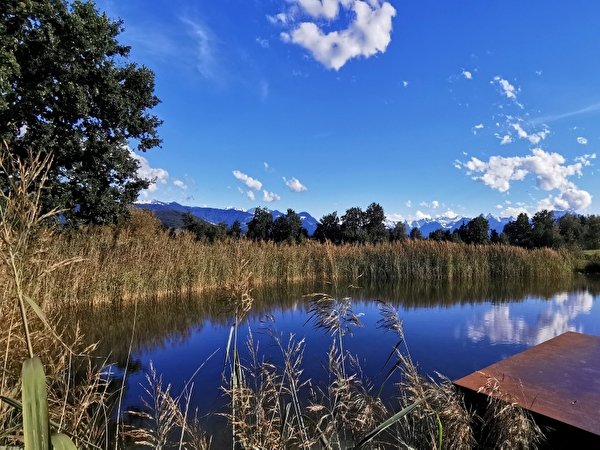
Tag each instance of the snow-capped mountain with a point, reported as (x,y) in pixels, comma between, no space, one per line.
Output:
(216,215)
(230,215)
(428,225)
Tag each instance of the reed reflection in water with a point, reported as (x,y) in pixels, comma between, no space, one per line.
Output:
(452,328)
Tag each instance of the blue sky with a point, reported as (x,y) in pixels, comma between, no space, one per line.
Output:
(428,108)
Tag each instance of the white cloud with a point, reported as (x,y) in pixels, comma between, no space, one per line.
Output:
(405,83)
(514,212)
(148,173)
(248,181)
(450,214)
(506,139)
(180,184)
(240,190)
(582,140)
(433,205)
(409,204)
(585,159)
(279,18)
(419,216)
(264,43)
(477,128)
(295,185)
(250,195)
(508,89)
(270,197)
(571,199)
(205,42)
(468,75)
(534,138)
(550,171)
(368,34)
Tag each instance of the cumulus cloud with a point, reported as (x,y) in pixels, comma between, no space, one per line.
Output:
(514,211)
(148,173)
(582,140)
(405,83)
(368,34)
(468,75)
(295,185)
(549,168)
(248,181)
(270,197)
(450,214)
(419,216)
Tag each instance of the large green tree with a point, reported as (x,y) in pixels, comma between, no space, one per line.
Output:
(67,88)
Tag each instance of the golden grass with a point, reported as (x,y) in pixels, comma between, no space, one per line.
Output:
(141,260)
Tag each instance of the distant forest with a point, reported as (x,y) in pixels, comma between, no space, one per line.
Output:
(368,227)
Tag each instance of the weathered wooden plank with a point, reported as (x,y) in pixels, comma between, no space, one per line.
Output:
(559,378)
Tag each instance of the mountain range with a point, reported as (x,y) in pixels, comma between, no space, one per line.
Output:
(170,214)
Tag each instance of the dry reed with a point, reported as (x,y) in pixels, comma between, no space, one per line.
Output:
(141,260)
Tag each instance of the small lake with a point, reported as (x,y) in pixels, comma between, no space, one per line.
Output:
(450,327)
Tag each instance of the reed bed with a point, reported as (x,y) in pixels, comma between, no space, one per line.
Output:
(141,260)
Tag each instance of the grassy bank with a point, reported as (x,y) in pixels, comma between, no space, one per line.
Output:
(143,260)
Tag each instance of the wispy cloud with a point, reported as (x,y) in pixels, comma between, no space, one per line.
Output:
(368,34)
(582,140)
(549,168)
(554,117)
(294,185)
(248,181)
(204,44)
(250,195)
(270,197)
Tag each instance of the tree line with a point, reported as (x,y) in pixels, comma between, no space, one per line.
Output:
(368,227)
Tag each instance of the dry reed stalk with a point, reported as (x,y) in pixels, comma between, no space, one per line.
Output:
(24,244)
(506,425)
(442,420)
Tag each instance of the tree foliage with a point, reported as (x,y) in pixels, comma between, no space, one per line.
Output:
(67,88)
(259,228)
(328,229)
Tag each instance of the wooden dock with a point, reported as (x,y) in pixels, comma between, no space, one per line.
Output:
(559,379)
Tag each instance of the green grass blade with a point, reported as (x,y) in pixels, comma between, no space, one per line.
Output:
(36,425)
(61,441)
(440,432)
(389,422)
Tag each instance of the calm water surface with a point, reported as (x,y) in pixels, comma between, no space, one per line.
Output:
(450,328)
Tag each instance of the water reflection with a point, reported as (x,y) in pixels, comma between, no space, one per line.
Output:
(173,322)
(450,327)
(500,324)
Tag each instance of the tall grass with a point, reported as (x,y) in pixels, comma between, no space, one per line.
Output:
(141,260)
(61,389)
